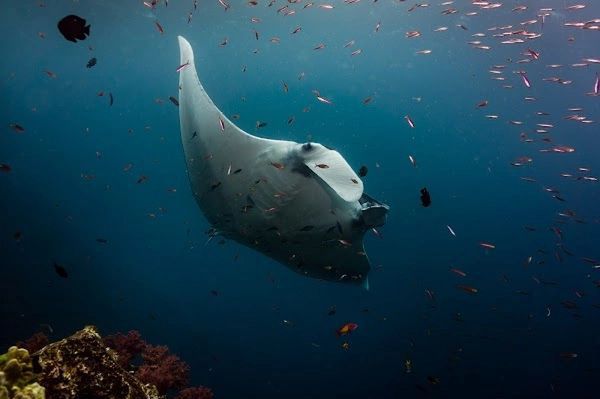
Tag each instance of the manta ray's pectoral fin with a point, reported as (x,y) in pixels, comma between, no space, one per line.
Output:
(333,169)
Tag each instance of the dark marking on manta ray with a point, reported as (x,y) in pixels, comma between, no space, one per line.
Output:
(214,186)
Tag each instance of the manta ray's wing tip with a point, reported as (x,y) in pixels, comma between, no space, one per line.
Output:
(185,49)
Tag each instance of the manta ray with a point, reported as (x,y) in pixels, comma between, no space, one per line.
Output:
(298,203)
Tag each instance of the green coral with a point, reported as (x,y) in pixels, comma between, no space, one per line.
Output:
(17,380)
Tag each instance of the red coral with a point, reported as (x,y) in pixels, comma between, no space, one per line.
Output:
(127,346)
(34,343)
(162,369)
(195,393)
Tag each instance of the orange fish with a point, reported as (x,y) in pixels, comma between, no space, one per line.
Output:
(469,289)
(459,272)
(346,329)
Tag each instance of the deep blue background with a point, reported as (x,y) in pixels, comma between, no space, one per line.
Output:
(155,274)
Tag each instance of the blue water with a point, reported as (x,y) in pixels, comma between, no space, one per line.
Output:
(155,274)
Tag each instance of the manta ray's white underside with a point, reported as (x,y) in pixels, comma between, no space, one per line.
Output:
(301,204)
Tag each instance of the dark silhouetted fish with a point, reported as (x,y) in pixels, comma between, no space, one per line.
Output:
(174,101)
(61,271)
(425,198)
(362,172)
(91,62)
(73,28)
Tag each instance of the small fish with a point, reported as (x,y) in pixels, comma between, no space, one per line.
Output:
(4,167)
(459,272)
(433,380)
(60,270)
(346,329)
(569,355)
(142,179)
(182,67)
(111,99)
(324,100)
(322,166)
(534,54)
(450,230)
(408,366)
(487,245)
(174,101)
(224,4)
(91,62)
(430,294)
(425,197)
(467,288)
(597,85)
(409,121)
(362,172)
(159,27)
(221,124)
(102,240)
(17,128)
(260,124)
(525,80)
(278,165)
(412,160)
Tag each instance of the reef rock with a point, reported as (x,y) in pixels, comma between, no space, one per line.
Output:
(82,367)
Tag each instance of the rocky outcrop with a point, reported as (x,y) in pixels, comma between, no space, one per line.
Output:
(82,367)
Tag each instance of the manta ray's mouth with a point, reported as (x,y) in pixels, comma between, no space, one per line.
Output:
(374,213)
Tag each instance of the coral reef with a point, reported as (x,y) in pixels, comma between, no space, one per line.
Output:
(84,366)
(158,366)
(162,369)
(17,380)
(80,366)
(34,343)
(127,346)
(195,393)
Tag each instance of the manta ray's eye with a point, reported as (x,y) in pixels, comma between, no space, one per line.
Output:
(307,147)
